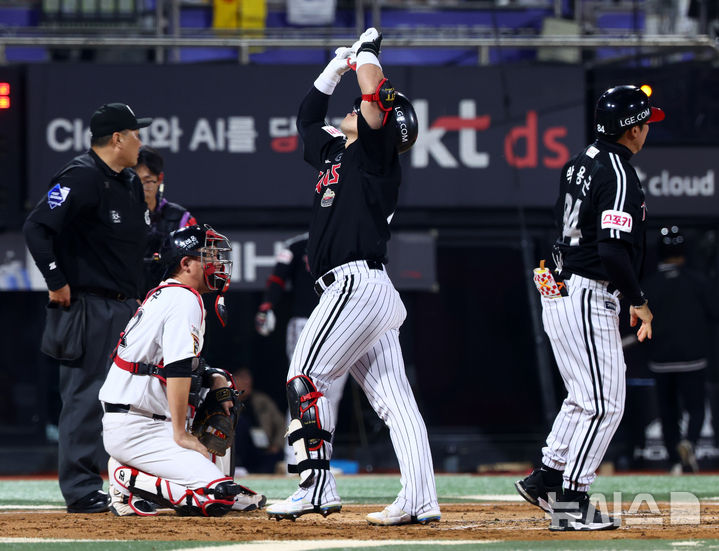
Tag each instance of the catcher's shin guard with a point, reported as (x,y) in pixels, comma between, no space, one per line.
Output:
(311,425)
(214,500)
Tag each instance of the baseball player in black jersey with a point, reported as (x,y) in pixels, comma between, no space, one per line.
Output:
(599,255)
(291,268)
(355,326)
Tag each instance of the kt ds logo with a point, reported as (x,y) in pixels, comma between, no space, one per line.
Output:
(521,144)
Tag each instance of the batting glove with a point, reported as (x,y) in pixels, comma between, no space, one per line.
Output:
(338,66)
(367,48)
(265,319)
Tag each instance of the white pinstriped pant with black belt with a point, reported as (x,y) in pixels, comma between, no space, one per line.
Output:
(355,327)
(583,329)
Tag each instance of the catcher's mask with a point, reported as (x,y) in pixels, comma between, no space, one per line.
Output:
(212,248)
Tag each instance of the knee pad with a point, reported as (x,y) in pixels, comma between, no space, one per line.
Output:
(208,501)
(311,425)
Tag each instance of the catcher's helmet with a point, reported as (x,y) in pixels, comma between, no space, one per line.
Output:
(213,250)
(622,107)
(671,242)
(405,121)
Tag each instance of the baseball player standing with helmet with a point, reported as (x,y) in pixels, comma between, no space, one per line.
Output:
(599,255)
(156,375)
(356,324)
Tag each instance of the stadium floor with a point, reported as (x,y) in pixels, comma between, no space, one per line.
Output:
(478,512)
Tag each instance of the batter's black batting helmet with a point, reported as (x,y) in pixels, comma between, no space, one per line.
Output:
(405,121)
(671,242)
(622,107)
(212,248)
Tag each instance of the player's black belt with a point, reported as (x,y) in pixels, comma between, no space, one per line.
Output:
(611,288)
(329,278)
(100,292)
(125,408)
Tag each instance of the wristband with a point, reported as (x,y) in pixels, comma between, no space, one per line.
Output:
(326,84)
(644,302)
(363,58)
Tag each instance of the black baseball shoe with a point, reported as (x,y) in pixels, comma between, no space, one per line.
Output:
(537,491)
(574,512)
(95,502)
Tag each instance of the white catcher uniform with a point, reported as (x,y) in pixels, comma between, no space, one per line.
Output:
(168,327)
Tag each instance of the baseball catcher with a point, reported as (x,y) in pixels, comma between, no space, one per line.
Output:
(154,386)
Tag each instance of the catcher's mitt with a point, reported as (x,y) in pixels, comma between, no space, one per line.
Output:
(212,426)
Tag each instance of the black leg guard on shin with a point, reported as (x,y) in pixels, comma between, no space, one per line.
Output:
(305,433)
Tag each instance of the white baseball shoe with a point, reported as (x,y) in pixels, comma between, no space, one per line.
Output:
(299,504)
(246,503)
(392,515)
(124,506)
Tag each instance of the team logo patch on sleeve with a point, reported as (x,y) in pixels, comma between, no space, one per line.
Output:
(334,132)
(57,195)
(616,220)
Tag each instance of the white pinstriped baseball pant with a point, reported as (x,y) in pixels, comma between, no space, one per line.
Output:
(355,327)
(583,329)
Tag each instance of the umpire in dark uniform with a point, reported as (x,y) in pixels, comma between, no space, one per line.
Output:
(87,238)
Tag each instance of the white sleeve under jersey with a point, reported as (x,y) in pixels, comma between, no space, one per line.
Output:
(169,326)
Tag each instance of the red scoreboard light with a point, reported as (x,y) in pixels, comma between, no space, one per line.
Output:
(4,95)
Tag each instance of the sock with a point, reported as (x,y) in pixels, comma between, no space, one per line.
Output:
(551,477)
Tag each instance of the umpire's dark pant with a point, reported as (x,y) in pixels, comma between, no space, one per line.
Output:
(80,449)
(677,391)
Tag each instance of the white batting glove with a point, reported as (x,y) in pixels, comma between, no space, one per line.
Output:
(338,66)
(367,48)
(265,322)
(370,36)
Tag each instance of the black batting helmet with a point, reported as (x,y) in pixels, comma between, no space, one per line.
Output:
(405,121)
(622,107)
(671,242)
(212,248)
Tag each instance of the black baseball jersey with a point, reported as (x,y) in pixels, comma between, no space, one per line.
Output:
(685,307)
(356,190)
(90,228)
(292,266)
(600,198)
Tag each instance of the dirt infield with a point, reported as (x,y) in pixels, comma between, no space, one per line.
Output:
(495,521)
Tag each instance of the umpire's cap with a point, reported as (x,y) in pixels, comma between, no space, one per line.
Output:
(671,242)
(115,117)
(622,107)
